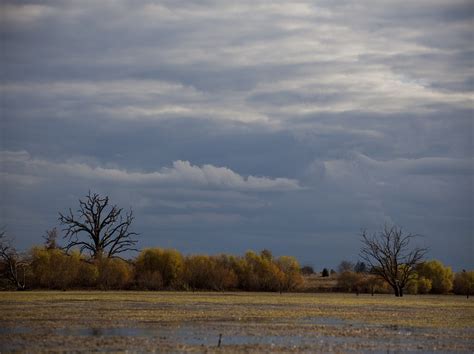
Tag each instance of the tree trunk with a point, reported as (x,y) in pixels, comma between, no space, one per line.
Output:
(396,290)
(400,291)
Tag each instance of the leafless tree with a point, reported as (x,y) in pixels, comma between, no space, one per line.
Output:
(390,256)
(51,239)
(98,228)
(345,266)
(13,266)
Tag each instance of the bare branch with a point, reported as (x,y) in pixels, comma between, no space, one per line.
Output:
(389,256)
(105,232)
(14,265)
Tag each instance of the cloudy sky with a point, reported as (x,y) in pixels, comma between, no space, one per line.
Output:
(229,126)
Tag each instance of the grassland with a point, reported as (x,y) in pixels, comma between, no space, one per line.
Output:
(180,321)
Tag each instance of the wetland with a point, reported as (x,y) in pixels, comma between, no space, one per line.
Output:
(84,321)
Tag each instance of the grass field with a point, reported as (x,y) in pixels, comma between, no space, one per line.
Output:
(181,321)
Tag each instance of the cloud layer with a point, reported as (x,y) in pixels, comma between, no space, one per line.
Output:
(182,174)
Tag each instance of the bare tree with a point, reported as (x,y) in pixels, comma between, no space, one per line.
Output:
(345,266)
(51,239)
(98,228)
(13,266)
(389,256)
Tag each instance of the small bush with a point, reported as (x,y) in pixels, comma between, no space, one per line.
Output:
(114,273)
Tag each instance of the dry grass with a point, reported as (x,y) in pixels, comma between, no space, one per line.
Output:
(317,283)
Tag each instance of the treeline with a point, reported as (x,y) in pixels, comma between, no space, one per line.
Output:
(50,267)
(429,277)
(156,269)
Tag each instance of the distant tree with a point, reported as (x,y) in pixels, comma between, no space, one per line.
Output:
(325,273)
(307,270)
(464,283)
(389,255)
(332,271)
(424,285)
(290,268)
(52,268)
(345,266)
(373,283)
(349,281)
(13,265)
(223,276)
(98,228)
(260,273)
(360,267)
(160,268)
(266,254)
(441,277)
(51,239)
(418,285)
(210,273)
(114,273)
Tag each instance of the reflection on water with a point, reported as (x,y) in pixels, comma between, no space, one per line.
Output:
(14,330)
(207,334)
(199,335)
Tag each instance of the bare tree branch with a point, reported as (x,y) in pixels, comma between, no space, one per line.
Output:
(13,265)
(97,230)
(389,256)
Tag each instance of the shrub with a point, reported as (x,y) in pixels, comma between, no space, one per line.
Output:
(424,285)
(307,270)
(262,274)
(290,268)
(349,281)
(157,268)
(464,283)
(53,269)
(114,273)
(441,277)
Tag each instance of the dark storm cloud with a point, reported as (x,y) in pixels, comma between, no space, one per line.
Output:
(284,125)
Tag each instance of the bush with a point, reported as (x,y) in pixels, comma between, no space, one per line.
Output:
(424,285)
(418,285)
(261,274)
(158,268)
(307,270)
(149,280)
(211,273)
(292,279)
(198,272)
(114,273)
(53,269)
(441,277)
(464,283)
(373,284)
(349,281)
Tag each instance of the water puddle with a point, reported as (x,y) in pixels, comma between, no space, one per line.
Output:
(199,335)
(14,330)
(341,333)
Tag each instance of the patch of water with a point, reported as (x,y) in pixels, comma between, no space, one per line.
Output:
(208,335)
(14,330)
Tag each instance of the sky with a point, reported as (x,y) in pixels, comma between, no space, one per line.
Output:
(229,126)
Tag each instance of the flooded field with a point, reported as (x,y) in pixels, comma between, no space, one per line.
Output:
(233,322)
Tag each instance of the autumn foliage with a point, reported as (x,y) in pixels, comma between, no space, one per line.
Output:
(162,269)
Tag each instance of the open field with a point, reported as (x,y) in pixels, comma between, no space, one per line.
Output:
(181,321)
